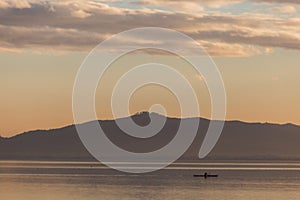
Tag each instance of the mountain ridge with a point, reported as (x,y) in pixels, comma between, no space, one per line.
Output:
(144,112)
(239,140)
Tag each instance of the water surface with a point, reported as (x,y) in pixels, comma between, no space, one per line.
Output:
(35,180)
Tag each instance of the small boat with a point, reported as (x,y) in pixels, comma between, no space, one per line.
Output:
(205,175)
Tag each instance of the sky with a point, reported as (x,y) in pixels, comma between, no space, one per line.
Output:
(254,43)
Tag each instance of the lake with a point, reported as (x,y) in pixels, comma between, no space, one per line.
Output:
(36,180)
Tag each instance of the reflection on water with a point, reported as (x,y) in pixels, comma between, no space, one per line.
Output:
(21,180)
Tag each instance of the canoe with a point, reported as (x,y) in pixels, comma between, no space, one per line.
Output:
(205,176)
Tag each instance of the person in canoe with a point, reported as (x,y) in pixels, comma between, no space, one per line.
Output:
(205,175)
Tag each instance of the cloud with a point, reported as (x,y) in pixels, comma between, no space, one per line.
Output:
(47,37)
(250,29)
(278,1)
(81,25)
(284,9)
(10,50)
(14,4)
(188,5)
(179,6)
(220,3)
(264,38)
(230,50)
(81,14)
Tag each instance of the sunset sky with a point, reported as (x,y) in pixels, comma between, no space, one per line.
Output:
(254,43)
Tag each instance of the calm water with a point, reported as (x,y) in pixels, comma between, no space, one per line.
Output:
(21,180)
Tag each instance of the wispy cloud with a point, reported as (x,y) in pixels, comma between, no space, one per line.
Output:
(284,9)
(278,1)
(188,5)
